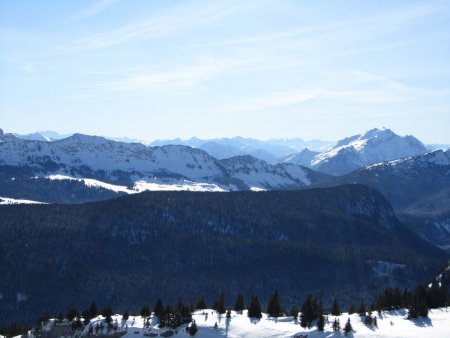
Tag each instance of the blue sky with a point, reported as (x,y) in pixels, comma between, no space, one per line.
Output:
(264,69)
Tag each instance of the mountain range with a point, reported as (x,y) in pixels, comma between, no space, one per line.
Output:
(82,168)
(140,167)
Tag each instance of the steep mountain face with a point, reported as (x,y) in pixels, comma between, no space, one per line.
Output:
(418,188)
(259,174)
(374,146)
(99,154)
(128,251)
(26,167)
(303,158)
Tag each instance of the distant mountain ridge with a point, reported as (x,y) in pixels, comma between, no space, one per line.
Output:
(270,151)
(140,167)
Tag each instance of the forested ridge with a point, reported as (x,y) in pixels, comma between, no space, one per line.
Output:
(334,242)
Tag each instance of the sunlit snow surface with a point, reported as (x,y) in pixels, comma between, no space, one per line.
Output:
(7,200)
(393,324)
(140,186)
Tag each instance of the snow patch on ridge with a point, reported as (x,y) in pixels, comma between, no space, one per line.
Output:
(144,185)
(7,200)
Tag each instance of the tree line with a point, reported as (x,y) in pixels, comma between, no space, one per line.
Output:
(311,313)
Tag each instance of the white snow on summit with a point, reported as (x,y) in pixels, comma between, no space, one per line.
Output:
(374,146)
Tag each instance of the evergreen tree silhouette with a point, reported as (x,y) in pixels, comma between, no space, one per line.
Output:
(274,308)
(336,308)
(239,305)
(254,308)
(348,327)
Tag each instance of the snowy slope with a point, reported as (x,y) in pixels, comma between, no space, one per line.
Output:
(130,167)
(257,173)
(374,146)
(437,157)
(97,153)
(6,200)
(392,324)
(302,158)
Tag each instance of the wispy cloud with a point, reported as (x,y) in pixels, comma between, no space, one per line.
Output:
(367,89)
(177,20)
(163,81)
(275,99)
(92,10)
(340,32)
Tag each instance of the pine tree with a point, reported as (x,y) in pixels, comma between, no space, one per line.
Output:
(125,315)
(219,304)
(274,308)
(254,308)
(107,313)
(336,308)
(201,304)
(311,310)
(348,327)
(159,309)
(93,310)
(60,317)
(418,306)
(436,296)
(193,328)
(321,323)
(352,309)
(145,311)
(336,325)
(72,314)
(362,309)
(294,313)
(239,305)
(87,316)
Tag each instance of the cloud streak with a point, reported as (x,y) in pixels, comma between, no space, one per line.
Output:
(92,10)
(177,20)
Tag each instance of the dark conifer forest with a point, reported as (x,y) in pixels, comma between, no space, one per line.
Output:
(342,243)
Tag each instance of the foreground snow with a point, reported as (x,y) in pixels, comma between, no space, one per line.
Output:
(391,324)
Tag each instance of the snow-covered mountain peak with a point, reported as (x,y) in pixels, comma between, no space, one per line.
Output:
(374,146)
(377,132)
(303,158)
